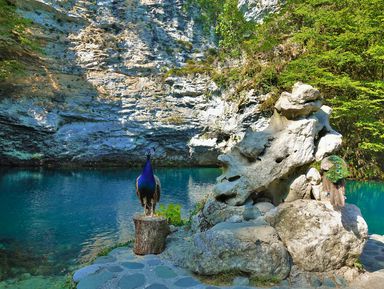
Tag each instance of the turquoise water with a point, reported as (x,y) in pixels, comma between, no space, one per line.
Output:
(53,220)
(369,197)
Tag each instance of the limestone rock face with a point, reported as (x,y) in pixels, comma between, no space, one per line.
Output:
(256,10)
(249,247)
(318,237)
(100,96)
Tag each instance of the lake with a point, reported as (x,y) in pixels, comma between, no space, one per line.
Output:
(53,220)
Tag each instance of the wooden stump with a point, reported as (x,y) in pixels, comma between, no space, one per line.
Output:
(150,234)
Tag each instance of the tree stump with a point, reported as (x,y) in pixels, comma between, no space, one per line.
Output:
(150,234)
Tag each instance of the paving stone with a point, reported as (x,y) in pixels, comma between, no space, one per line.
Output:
(95,281)
(133,265)
(154,262)
(156,286)
(186,282)
(114,268)
(165,272)
(84,272)
(104,259)
(132,281)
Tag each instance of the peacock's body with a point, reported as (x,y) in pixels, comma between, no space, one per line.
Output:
(148,188)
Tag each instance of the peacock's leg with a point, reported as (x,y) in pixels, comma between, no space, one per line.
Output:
(152,208)
(145,206)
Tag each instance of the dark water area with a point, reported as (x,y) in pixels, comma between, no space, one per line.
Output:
(53,220)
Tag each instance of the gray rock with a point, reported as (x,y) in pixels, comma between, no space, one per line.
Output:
(264,207)
(303,101)
(292,147)
(215,212)
(313,176)
(265,163)
(299,189)
(240,281)
(317,237)
(328,144)
(247,247)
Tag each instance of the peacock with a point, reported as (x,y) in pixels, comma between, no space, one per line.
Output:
(148,187)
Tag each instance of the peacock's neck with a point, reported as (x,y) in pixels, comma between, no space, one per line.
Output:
(148,171)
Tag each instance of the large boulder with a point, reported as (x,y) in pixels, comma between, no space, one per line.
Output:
(264,164)
(249,174)
(303,100)
(318,237)
(299,189)
(249,247)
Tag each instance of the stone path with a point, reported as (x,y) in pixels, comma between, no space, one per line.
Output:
(122,269)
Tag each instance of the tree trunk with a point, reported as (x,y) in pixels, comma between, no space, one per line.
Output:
(151,233)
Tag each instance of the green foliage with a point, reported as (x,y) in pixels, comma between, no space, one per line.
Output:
(69,283)
(338,171)
(15,40)
(358,265)
(172,213)
(336,46)
(196,209)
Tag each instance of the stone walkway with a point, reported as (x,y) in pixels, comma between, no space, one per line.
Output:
(122,269)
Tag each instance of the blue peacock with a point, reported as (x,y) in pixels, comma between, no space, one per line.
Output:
(148,187)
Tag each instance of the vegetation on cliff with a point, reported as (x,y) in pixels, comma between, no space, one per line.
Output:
(16,44)
(337,46)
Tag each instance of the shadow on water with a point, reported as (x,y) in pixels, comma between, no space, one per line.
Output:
(52,220)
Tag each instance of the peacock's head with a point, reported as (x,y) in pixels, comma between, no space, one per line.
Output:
(149,152)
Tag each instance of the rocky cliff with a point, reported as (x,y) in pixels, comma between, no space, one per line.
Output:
(98,93)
